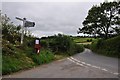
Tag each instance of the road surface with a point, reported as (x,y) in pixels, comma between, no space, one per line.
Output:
(82,65)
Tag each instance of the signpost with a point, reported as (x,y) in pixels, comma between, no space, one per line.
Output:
(25,25)
(29,24)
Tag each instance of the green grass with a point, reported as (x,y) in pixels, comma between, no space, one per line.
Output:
(15,62)
(85,43)
(20,57)
(27,59)
(12,64)
(24,59)
(59,56)
(84,40)
(45,56)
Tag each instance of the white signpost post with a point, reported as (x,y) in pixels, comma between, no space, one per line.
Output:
(25,25)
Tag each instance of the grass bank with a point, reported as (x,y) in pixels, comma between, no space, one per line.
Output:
(24,60)
(22,57)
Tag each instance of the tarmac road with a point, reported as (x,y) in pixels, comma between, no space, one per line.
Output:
(82,65)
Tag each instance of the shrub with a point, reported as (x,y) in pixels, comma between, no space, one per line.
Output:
(44,44)
(79,48)
(89,40)
(45,56)
(87,46)
(64,44)
(109,47)
(60,43)
(99,43)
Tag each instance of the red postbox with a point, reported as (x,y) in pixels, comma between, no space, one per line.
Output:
(37,46)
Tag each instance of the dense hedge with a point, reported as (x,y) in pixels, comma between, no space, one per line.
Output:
(109,47)
(62,44)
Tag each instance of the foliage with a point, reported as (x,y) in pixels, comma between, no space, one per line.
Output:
(109,47)
(16,62)
(45,56)
(83,40)
(60,43)
(18,57)
(24,59)
(15,56)
(44,43)
(64,44)
(10,33)
(102,20)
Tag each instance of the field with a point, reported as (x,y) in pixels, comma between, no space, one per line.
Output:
(84,41)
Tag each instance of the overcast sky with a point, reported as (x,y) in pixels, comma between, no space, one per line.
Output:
(50,17)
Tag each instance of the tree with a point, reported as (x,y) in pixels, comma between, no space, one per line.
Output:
(102,20)
(10,32)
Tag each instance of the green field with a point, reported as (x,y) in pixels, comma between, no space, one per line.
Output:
(84,41)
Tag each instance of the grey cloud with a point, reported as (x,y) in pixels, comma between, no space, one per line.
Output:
(50,17)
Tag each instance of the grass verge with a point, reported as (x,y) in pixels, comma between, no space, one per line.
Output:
(24,60)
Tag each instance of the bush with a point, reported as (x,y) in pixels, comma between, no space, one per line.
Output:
(45,56)
(107,47)
(79,48)
(89,40)
(60,43)
(87,46)
(8,48)
(44,44)
(99,43)
(64,44)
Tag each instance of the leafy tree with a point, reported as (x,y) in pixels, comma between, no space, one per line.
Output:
(64,44)
(10,32)
(102,20)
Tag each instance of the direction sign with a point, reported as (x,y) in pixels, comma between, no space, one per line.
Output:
(29,24)
(19,18)
(25,24)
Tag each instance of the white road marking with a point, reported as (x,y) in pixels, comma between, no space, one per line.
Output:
(83,62)
(75,59)
(75,62)
(88,64)
(116,73)
(61,60)
(78,63)
(104,69)
(96,67)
